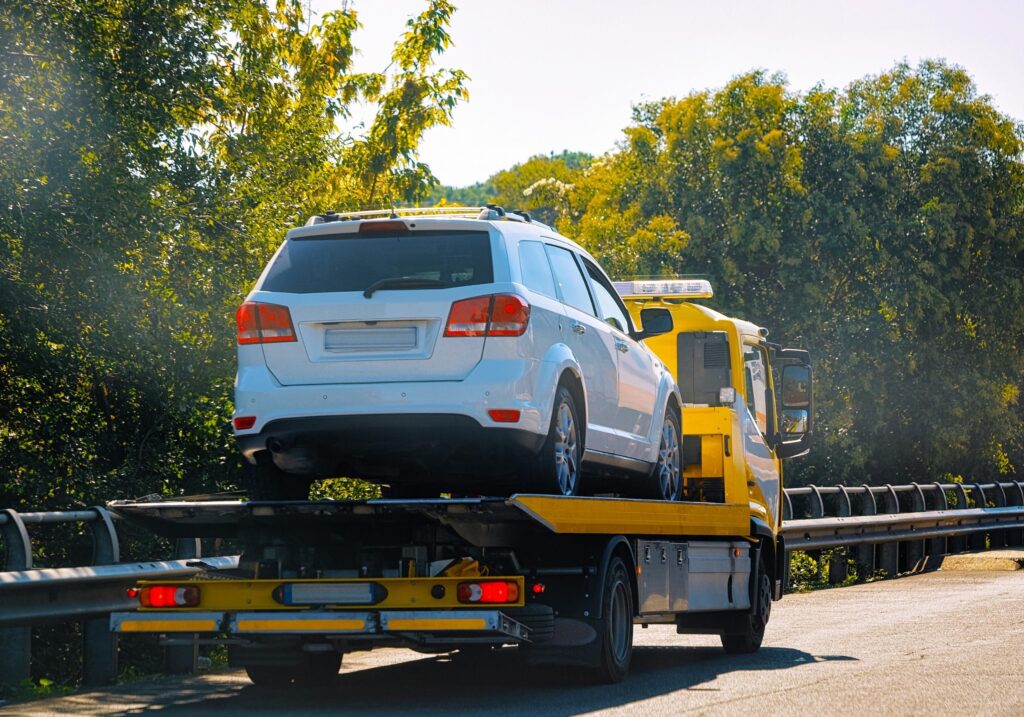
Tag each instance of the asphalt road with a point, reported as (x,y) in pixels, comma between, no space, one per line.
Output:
(944,643)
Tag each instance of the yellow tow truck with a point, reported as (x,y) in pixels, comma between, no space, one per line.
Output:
(565,579)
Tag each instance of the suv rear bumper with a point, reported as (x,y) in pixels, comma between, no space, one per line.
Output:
(380,447)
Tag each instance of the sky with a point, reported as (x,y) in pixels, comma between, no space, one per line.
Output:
(563,74)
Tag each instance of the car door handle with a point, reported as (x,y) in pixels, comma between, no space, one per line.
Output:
(622,346)
(579,328)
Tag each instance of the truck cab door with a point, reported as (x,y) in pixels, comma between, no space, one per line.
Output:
(757,423)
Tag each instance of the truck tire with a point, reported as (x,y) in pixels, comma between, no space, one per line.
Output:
(317,668)
(747,635)
(268,482)
(666,479)
(557,467)
(615,628)
(539,619)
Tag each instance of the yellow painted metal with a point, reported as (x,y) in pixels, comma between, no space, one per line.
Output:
(712,456)
(612,516)
(402,593)
(168,626)
(459,623)
(280,625)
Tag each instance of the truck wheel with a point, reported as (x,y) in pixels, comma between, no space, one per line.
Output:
(615,629)
(320,668)
(271,675)
(750,634)
(268,482)
(557,468)
(317,668)
(665,481)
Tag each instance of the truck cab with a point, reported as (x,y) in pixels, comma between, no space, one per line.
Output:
(747,403)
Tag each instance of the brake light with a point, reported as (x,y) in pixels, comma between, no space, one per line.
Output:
(497,315)
(489,591)
(169,596)
(383,227)
(509,315)
(264,323)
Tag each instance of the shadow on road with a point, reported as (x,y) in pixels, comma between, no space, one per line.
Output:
(488,685)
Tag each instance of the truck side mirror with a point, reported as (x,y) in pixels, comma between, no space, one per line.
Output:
(655,322)
(796,405)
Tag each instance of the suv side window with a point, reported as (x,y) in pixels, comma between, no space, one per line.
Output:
(570,281)
(533,263)
(610,310)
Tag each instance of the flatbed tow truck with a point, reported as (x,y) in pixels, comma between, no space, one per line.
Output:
(565,579)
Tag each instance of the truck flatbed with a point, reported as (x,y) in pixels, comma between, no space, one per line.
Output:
(497,517)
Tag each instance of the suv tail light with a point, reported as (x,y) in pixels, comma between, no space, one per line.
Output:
(264,323)
(497,315)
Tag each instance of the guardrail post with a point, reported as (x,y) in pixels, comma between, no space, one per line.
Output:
(182,658)
(939,546)
(998,538)
(99,651)
(15,642)
(866,553)
(1017,491)
(915,549)
(838,568)
(958,543)
(816,509)
(977,541)
(889,553)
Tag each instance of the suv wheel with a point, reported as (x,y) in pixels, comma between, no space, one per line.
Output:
(558,466)
(665,481)
(268,482)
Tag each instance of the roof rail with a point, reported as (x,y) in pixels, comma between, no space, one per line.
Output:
(489,212)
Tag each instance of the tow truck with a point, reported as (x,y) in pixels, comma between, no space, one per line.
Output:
(563,579)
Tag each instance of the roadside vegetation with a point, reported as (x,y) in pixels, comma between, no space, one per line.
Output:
(153,152)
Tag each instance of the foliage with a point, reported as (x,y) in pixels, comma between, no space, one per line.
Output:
(882,227)
(151,155)
(542,186)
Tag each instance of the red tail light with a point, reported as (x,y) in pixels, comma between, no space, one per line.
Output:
(489,591)
(263,323)
(498,315)
(169,596)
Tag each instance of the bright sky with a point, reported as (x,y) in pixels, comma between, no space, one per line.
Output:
(562,74)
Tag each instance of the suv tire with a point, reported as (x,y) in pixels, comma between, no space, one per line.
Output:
(557,466)
(268,482)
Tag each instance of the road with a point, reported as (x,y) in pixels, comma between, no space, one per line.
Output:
(937,643)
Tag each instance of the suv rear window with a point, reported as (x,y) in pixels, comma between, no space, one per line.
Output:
(353,262)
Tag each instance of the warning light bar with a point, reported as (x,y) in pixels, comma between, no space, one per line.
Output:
(664,288)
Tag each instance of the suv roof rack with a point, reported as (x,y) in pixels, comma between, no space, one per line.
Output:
(489,212)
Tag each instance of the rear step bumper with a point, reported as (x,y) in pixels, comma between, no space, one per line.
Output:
(420,625)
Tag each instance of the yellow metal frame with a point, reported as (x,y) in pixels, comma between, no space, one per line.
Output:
(613,516)
(402,593)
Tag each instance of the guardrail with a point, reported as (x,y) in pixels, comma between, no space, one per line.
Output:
(894,528)
(30,596)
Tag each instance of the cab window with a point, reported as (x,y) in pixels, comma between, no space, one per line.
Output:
(754,368)
(609,307)
(570,281)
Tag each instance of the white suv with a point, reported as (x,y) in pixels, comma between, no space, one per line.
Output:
(473,353)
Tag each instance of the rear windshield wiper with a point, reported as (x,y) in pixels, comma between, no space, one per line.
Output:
(401,282)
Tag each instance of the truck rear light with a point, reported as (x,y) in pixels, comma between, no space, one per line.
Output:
(488,591)
(244,423)
(504,415)
(497,315)
(264,323)
(169,596)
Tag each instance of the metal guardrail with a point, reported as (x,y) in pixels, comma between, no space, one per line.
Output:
(895,528)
